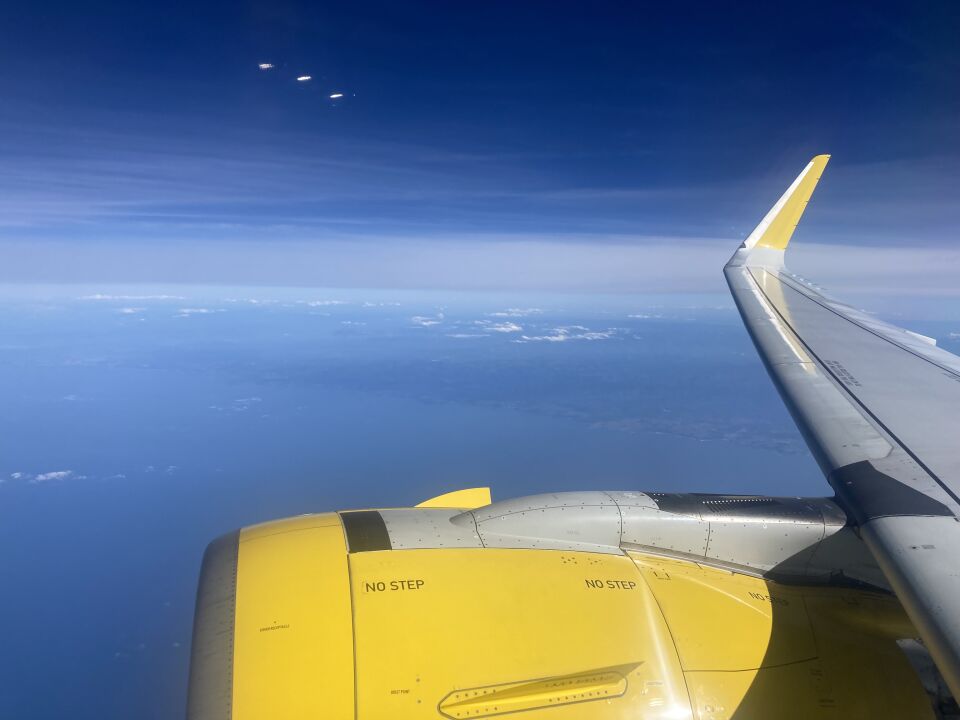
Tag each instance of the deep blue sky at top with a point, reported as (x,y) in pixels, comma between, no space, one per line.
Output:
(150,125)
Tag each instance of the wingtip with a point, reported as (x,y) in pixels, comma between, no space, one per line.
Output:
(777,227)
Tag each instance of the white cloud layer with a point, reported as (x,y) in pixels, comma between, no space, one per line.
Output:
(638,264)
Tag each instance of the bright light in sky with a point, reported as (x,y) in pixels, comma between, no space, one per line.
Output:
(304,78)
(265,66)
(336,96)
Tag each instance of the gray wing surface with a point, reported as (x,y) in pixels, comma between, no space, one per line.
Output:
(879,407)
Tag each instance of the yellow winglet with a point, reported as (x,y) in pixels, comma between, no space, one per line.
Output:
(776,229)
(469,499)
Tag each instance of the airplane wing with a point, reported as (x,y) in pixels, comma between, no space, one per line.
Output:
(879,407)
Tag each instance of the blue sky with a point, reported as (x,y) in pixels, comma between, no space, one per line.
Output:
(521,145)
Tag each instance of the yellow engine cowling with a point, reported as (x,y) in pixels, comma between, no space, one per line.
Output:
(302,618)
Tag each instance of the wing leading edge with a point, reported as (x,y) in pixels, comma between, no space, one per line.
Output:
(877,406)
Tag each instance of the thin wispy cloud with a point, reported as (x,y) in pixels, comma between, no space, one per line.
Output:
(120,298)
(516,312)
(250,301)
(238,405)
(253,185)
(426,321)
(147,177)
(190,312)
(501,327)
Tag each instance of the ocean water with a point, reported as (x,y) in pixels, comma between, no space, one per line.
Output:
(139,424)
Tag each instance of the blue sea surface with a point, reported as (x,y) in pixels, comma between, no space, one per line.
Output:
(138,425)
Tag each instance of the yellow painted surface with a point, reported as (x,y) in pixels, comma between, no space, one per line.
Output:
(780,230)
(476,633)
(752,648)
(293,646)
(434,628)
(300,522)
(725,621)
(468,499)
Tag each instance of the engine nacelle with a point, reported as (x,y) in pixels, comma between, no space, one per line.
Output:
(575,605)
